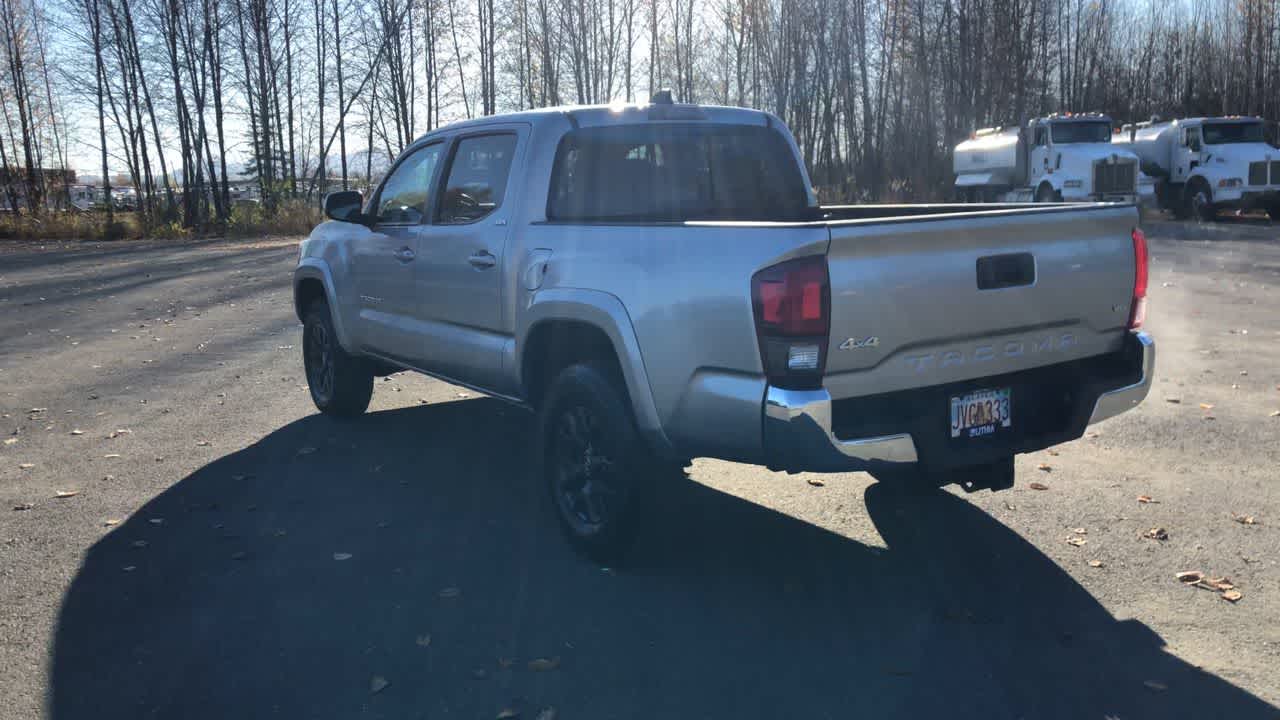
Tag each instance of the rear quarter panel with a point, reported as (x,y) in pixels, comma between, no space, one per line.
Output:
(687,292)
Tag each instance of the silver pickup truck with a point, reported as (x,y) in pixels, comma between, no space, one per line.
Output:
(658,282)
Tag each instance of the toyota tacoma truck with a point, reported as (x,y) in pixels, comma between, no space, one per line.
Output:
(657,282)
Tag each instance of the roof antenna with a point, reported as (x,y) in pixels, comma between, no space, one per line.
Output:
(662,97)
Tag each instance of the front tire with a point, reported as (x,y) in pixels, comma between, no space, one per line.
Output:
(1046,194)
(595,465)
(1199,201)
(341,384)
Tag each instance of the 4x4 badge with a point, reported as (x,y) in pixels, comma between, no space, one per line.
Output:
(856,344)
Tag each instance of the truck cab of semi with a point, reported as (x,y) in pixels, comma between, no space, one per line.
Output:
(1203,165)
(1058,158)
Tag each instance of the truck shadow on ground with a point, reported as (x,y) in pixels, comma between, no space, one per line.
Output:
(295,577)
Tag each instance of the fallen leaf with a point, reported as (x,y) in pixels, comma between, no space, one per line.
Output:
(1054,453)
(23,506)
(342,556)
(1037,486)
(1077,541)
(423,640)
(816,482)
(1210,417)
(1095,563)
(1244,519)
(1092,435)
(378,684)
(109,522)
(1190,577)
(203,443)
(1206,406)
(1147,500)
(14,440)
(1274,413)
(66,494)
(449,592)
(1080,531)
(26,466)
(463,395)
(1174,400)
(1045,467)
(544,664)
(1156,533)
(1153,685)
(77,431)
(1232,595)
(1219,583)
(1244,372)
(109,456)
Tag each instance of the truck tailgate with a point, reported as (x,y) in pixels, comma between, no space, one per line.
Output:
(925,301)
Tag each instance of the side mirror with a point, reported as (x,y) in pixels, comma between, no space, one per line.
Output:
(344,205)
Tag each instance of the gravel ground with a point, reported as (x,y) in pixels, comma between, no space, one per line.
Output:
(224,552)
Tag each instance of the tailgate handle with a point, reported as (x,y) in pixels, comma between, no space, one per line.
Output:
(1005,271)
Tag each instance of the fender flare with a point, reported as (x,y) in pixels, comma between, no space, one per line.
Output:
(314,268)
(606,312)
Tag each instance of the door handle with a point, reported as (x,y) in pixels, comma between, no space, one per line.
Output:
(483,260)
(405,254)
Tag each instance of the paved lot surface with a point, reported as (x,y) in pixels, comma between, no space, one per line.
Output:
(230,554)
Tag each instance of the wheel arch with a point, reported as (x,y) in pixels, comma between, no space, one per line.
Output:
(312,280)
(565,325)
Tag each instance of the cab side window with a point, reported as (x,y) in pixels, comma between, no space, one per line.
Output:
(477,178)
(1041,137)
(404,197)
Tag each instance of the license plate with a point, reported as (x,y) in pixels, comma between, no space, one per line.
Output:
(980,412)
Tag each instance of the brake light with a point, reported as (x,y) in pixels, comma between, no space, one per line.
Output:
(1141,272)
(792,306)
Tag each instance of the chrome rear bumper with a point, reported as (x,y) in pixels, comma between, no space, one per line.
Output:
(1114,402)
(798,434)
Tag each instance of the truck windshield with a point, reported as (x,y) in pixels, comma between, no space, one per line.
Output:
(1227,133)
(676,172)
(1081,132)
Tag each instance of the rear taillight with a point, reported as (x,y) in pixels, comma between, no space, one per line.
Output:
(1141,262)
(792,304)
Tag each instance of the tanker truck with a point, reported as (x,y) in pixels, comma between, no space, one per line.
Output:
(1059,158)
(1202,165)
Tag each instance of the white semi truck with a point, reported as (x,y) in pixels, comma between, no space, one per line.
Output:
(1202,165)
(1059,158)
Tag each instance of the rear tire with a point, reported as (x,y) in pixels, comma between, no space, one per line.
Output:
(596,467)
(341,384)
(1273,212)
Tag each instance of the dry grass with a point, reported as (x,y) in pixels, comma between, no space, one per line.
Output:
(291,217)
(70,226)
